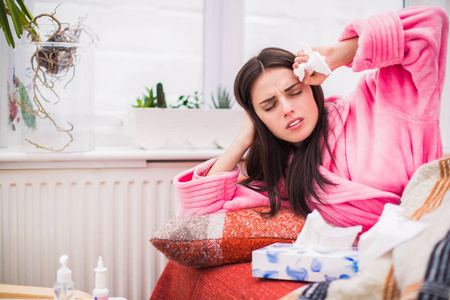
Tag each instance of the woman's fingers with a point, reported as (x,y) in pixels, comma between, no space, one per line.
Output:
(314,79)
(310,79)
(246,134)
(307,78)
(301,58)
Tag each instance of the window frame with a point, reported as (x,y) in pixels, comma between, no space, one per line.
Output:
(223,45)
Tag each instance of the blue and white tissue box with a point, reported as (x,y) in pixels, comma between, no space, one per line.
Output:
(284,261)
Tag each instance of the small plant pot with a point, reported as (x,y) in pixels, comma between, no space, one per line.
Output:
(158,128)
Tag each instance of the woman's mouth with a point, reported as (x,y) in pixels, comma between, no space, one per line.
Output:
(295,124)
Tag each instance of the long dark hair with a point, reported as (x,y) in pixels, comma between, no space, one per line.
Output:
(270,161)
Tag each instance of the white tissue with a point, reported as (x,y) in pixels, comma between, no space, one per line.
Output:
(315,63)
(320,236)
(392,229)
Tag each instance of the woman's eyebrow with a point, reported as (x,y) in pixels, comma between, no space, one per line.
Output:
(291,87)
(267,100)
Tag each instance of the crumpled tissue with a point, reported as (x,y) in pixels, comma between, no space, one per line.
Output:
(391,229)
(320,236)
(315,63)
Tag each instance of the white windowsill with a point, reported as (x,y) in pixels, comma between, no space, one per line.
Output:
(102,157)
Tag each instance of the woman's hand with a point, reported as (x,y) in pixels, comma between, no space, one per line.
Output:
(246,134)
(233,155)
(315,78)
(336,55)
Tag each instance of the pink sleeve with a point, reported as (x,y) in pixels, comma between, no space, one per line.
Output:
(409,50)
(199,194)
(220,192)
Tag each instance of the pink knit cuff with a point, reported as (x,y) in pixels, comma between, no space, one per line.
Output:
(199,194)
(381,41)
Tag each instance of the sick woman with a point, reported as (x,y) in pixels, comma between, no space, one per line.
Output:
(344,156)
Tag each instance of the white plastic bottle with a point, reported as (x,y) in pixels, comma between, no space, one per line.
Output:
(100,291)
(64,287)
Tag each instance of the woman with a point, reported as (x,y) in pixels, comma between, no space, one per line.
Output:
(345,157)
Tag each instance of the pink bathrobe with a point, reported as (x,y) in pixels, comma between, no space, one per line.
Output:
(381,133)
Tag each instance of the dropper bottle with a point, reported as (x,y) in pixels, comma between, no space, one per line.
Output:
(64,287)
(100,291)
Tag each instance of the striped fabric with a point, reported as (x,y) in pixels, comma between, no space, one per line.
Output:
(316,291)
(437,279)
(432,202)
(440,189)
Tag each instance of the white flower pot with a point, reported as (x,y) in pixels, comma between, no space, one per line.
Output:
(156,128)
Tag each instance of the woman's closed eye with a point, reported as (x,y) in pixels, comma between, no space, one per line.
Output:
(271,106)
(296,93)
(272,102)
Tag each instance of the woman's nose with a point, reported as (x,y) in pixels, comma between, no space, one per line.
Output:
(287,107)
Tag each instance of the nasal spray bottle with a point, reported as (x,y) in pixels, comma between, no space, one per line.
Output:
(64,286)
(100,291)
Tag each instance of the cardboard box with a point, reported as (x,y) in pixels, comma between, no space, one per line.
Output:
(283,261)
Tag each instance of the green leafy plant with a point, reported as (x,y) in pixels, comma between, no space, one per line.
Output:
(189,101)
(150,100)
(223,98)
(20,16)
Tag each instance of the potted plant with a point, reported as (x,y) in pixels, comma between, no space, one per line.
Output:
(50,87)
(186,124)
(223,99)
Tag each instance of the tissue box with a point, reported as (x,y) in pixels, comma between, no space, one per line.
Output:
(283,261)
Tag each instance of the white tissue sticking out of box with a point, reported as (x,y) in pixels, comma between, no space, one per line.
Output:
(391,229)
(320,236)
(315,63)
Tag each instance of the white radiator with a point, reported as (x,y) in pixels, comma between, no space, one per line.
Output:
(86,213)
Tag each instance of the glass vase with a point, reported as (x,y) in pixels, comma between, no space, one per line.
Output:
(50,91)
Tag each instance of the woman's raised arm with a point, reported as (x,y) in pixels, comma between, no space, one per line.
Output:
(233,155)
(336,55)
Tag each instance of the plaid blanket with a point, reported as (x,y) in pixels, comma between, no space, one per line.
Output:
(416,269)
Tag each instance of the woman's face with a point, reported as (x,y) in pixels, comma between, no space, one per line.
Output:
(285,105)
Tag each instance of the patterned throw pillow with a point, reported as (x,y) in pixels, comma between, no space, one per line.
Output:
(217,239)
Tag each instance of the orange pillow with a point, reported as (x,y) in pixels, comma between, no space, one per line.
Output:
(224,238)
